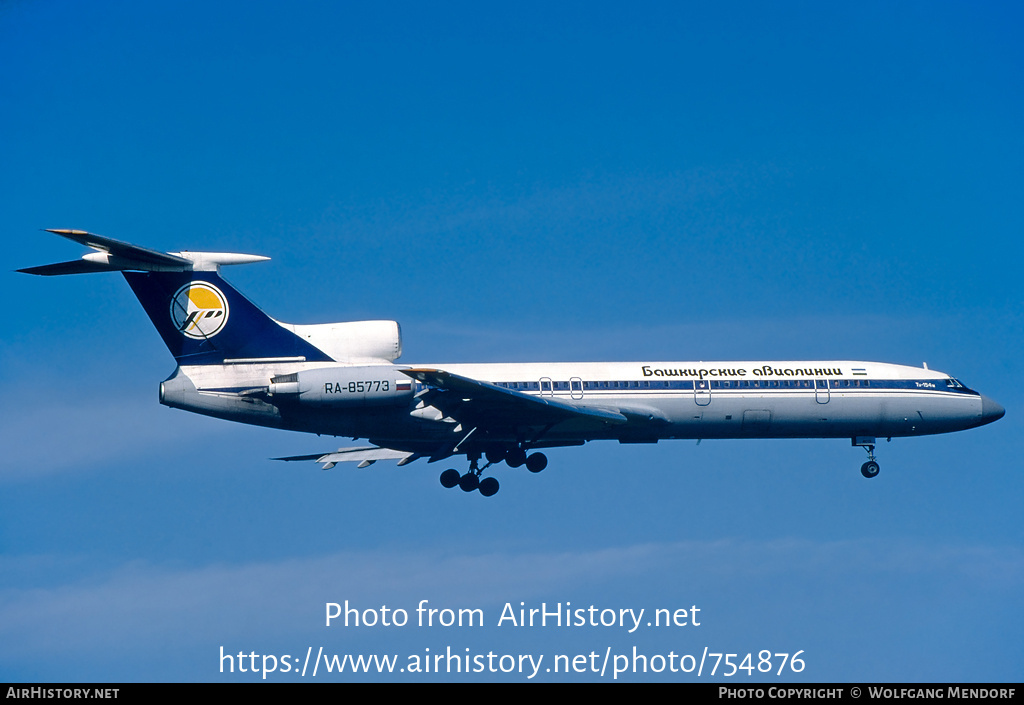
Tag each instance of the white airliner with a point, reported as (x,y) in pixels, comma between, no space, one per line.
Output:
(237,363)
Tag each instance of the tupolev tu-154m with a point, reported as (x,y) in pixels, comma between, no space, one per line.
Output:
(235,362)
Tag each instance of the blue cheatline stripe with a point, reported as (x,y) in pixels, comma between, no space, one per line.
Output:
(798,385)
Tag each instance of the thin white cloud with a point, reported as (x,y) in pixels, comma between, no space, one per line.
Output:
(54,431)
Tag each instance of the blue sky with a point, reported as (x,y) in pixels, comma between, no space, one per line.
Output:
(667,181)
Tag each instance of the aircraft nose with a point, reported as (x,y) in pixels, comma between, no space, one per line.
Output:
(990,410)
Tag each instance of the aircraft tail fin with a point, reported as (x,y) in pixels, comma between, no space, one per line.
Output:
(200,316)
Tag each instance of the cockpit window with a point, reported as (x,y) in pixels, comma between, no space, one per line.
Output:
(953,384)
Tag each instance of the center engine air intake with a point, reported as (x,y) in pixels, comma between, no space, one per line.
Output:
(354,341)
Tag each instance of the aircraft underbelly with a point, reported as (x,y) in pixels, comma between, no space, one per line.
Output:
(842,417)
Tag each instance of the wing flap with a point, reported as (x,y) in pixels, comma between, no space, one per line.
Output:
(365,455)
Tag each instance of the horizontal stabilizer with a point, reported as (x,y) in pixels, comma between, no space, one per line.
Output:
(75,266)
(110,255)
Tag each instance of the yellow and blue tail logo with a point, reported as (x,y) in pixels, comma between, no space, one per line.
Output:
(199,310)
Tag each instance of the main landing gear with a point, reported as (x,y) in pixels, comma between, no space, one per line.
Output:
(488,486)
(869,469)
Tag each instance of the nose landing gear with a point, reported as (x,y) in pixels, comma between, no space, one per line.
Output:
(869,469)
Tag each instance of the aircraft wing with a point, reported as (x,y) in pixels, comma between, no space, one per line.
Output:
(486,404)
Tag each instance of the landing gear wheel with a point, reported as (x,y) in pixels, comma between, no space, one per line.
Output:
(450,478)
(536,462)
(469,482)
(515,457)
(488,487)
(869,469)
(495,456)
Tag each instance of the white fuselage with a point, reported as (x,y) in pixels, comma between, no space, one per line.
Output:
(754,399)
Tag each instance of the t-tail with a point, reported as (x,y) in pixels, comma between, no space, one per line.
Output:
(204,320)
